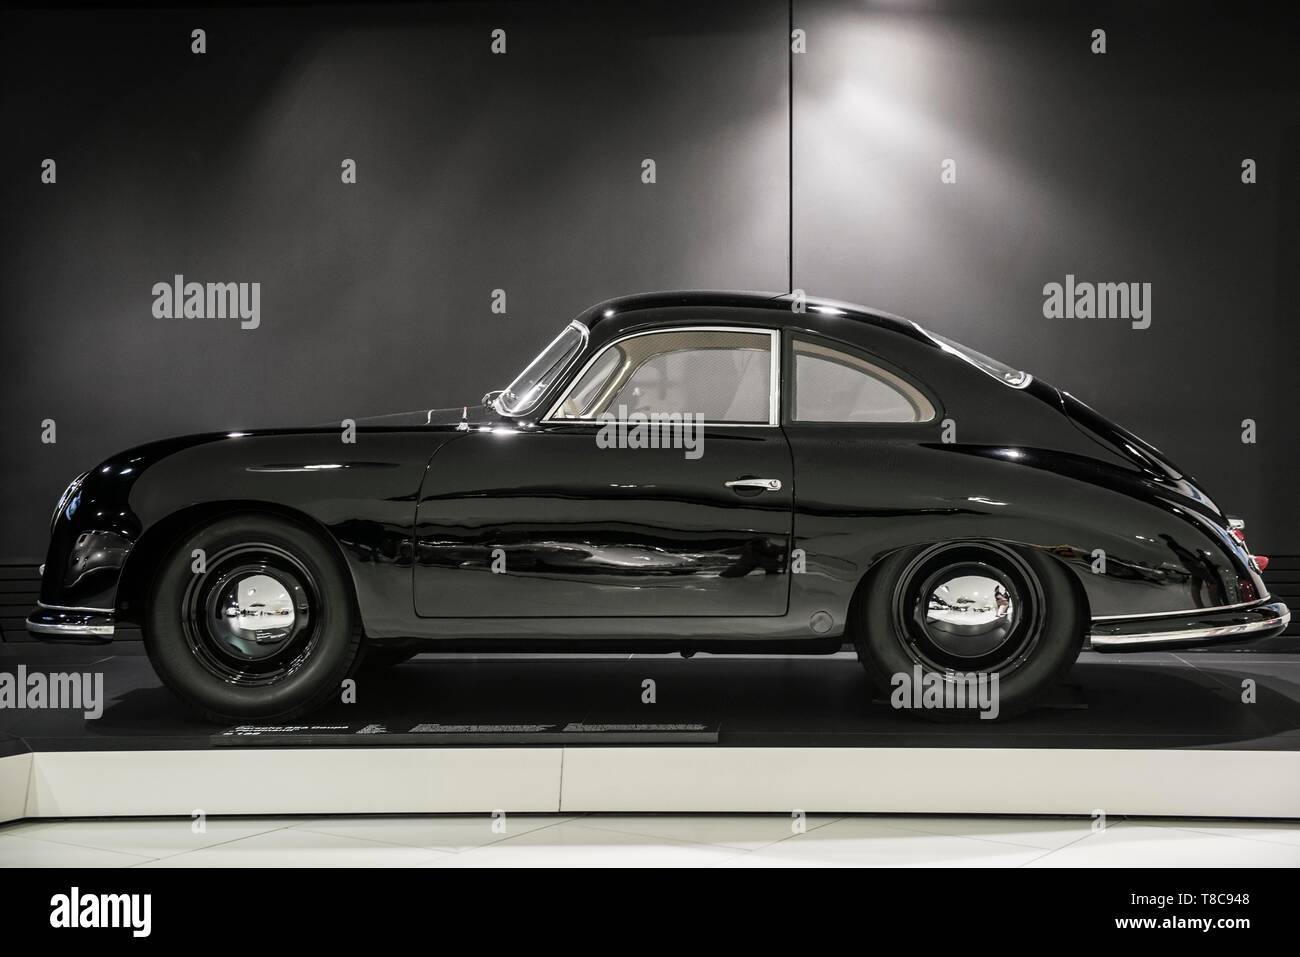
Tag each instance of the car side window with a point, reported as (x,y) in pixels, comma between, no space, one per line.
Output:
(832,385)
(723,375)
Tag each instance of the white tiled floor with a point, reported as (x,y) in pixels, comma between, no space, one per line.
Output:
(647,840)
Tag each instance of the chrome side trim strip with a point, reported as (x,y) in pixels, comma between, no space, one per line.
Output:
(1192,634)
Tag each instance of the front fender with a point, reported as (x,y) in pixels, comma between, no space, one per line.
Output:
(90,538)
(361,495)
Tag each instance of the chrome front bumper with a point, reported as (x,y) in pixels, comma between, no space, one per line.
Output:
(84,624)
(1205,626)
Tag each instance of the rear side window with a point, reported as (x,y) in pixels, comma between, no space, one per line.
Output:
(831,385)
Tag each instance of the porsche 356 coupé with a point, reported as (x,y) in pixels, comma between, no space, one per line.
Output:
(842,476)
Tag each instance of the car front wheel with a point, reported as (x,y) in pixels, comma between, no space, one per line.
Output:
(251,617)
(953,617)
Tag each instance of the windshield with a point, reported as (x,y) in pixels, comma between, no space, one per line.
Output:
(999,370)
(530,385)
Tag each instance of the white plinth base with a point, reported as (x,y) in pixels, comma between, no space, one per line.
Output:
(264,781)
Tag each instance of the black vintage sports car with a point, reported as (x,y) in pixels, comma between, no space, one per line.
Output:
(717,472)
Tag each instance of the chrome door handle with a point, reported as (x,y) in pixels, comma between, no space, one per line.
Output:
(765,485)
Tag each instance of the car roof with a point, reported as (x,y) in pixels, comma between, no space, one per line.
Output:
(777,305)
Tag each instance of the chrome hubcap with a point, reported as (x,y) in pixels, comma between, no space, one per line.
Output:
(969,615)
(968,607)
(257,615)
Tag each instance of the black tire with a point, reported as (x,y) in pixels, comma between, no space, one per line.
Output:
(272,657)
(896,629)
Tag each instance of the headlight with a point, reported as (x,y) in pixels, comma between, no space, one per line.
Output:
(68,493)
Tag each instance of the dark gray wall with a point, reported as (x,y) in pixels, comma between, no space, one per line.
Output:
(1117,167)
(475,172)
(522,172)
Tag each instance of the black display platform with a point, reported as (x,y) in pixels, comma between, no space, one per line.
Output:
(1147,701)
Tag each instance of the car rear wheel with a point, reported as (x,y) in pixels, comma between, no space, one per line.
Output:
(251,617)
(937,623)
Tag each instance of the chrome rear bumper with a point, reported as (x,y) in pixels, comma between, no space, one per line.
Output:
(1206,626)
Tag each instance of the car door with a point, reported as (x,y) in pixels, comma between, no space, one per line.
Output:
(611,507)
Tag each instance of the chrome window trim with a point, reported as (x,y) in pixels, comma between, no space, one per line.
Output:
(1029,378)
(774,381)
(879,372)
(523,413)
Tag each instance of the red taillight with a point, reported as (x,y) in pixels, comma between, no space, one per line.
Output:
(1237,529)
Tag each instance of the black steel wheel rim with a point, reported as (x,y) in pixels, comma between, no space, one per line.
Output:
(251,616)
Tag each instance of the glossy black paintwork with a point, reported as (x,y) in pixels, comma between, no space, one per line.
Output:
(622,544)
(585,531)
